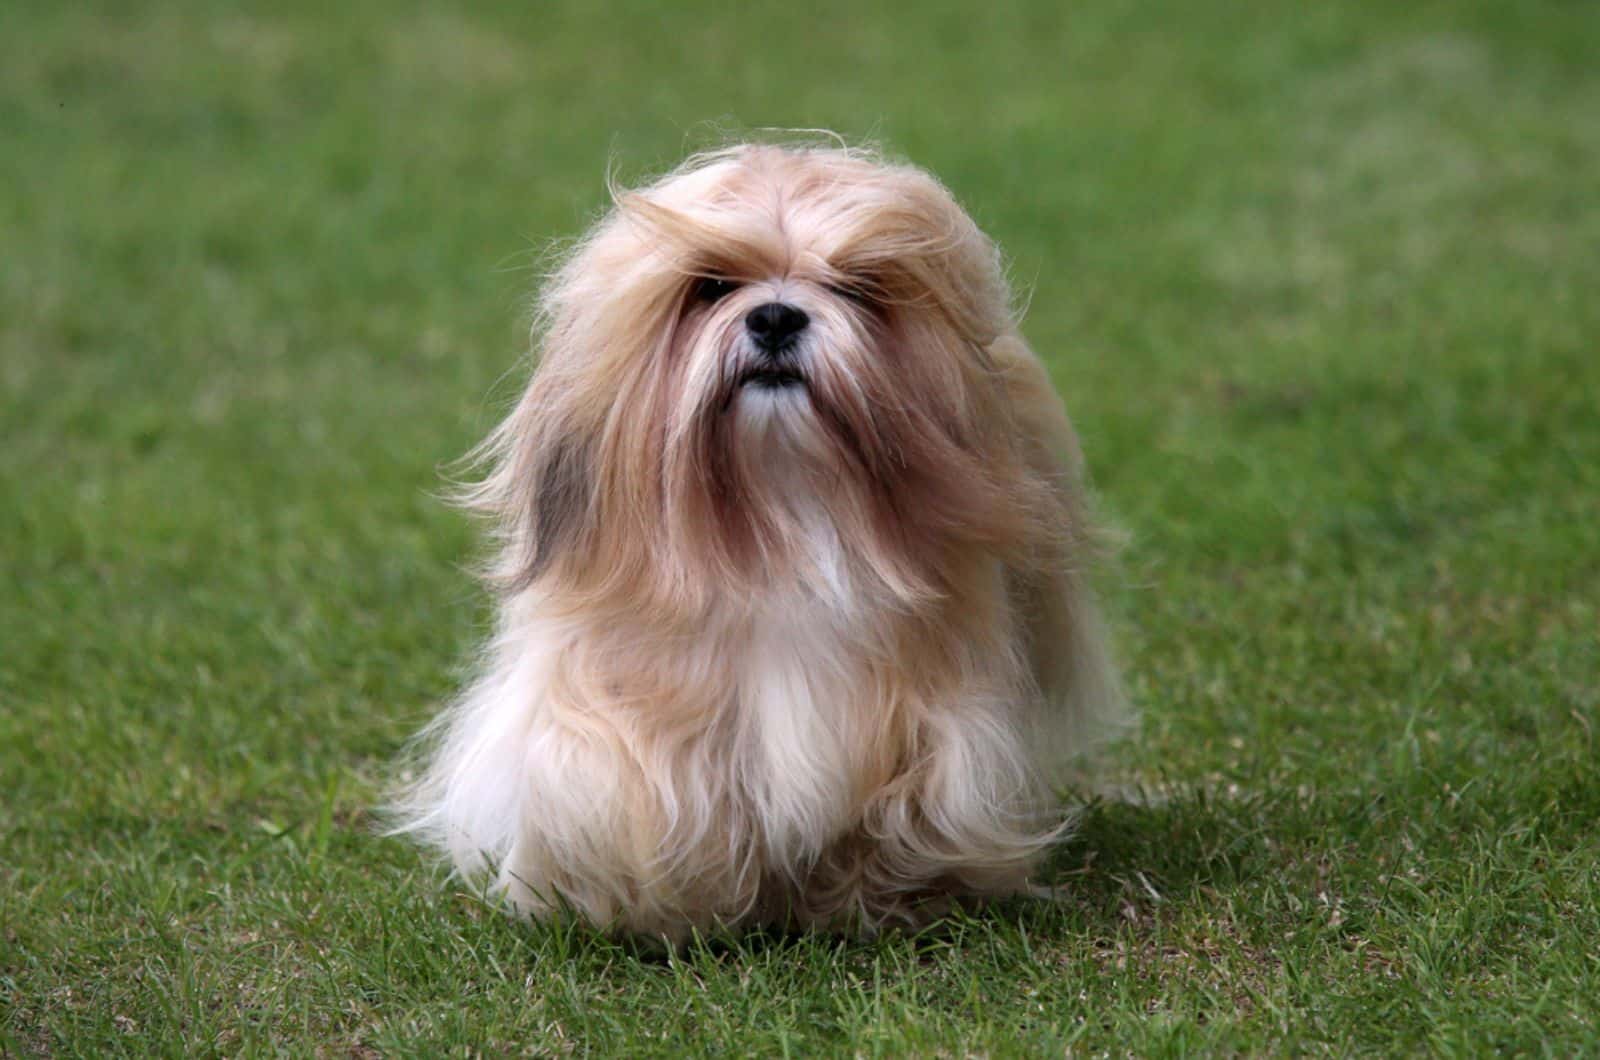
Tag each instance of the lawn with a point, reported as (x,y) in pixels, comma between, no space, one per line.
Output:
(1311,278)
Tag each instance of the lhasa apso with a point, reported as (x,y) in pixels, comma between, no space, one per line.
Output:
(793,620)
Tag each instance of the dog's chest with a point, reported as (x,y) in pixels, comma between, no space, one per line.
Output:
(805,697)
(805,693)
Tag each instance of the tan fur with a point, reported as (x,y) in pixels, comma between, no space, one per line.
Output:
(804,656)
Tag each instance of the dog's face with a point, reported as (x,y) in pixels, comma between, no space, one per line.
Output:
(767,348)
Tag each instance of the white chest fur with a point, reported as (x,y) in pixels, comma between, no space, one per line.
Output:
(800,704)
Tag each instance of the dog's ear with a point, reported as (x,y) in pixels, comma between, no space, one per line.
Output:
(540,491)
(557,500)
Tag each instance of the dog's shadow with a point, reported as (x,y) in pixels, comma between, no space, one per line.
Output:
(1128,855)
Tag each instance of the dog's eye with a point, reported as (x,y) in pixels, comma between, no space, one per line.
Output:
(713,289)
(856,293)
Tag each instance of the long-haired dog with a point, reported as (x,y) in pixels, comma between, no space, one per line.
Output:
(793,621)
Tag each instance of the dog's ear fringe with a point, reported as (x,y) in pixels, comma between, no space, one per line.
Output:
(537,491)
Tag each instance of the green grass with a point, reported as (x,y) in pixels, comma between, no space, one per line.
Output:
(1311,277)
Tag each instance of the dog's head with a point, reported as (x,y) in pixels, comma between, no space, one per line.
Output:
(771,360)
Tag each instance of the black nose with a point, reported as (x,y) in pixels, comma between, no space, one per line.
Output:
(774,324)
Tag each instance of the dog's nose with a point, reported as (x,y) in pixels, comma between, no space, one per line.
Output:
(775,323)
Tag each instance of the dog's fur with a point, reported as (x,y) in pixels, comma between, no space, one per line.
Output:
(781,654)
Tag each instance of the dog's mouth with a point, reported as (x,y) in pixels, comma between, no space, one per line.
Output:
(769,377)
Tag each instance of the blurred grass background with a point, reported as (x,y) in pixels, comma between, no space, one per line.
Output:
(1317,283)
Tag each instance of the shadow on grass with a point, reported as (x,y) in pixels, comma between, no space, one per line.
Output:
(1156,850)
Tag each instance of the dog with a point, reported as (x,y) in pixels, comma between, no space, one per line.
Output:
(792,543)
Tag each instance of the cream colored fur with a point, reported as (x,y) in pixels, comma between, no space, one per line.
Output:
(806,655)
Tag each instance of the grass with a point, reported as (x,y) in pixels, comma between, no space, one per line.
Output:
(1312,280)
